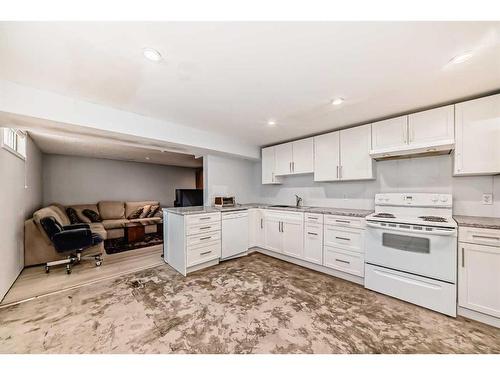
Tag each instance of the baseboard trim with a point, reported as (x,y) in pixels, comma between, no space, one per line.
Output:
(312,266)
(480,317)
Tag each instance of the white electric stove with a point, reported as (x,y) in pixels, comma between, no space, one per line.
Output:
(411,249)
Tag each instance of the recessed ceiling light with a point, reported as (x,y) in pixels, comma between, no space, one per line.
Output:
(147,158)
(151,54)
(271,123)
(458,59)
(337,101)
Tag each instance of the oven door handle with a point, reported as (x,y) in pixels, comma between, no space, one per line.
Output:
(451,232)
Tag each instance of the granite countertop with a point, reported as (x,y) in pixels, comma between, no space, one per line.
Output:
(478,221)
(317,210)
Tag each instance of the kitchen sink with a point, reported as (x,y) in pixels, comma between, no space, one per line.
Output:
(282,206)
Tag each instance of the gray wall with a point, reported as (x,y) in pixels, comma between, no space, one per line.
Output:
(74,180)
(229,176)
(427,174)
(20,195)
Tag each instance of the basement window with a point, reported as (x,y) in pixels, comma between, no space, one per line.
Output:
(14,141)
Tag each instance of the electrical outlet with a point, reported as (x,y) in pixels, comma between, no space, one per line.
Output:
(487,198)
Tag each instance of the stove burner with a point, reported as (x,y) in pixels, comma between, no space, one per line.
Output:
(436,219)
(385,215)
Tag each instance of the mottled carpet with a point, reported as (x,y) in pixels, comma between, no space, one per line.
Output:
(255,304)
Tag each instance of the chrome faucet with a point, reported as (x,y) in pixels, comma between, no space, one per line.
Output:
(298,200)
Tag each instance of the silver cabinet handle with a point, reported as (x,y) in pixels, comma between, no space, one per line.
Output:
(206,252)
(337,171)
(340,172)
(342,261)
(261,223)
(290,166)
(205,238)
(205,218)
(312,233)
(293,167)
(463,257)
(205,227)
(343,238)
(343,221)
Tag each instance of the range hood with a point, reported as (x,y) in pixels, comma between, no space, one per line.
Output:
(414,150)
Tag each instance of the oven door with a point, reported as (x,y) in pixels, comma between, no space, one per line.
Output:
(413,251)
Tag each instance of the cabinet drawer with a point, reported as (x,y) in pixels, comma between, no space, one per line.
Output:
(203,218)
(202,239)
(203,228)
(346,238)
(313,218)
(345,221)
(203,254)
(344,260)
(481,236)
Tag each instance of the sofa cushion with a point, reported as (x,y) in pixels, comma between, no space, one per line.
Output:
(132,206)
(136,214)
(79,211)
(154,209)
(111,210)
(114,223)
(92,215)
(73,216)
(145,211)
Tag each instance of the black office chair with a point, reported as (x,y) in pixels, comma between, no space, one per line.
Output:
(72,239)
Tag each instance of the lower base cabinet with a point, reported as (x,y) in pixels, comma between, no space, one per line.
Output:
(313,243)
(344,260)
(284,232)
(479,278)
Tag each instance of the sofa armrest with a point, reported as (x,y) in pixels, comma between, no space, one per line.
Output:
(76,226)
(72,239)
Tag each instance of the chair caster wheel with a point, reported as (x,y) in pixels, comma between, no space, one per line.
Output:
(68,270)
(47,269)
(98,263)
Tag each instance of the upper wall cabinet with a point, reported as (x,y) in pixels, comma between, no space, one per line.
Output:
(427,132)
(343,155)
(390,133)
(477,127)
(295,157)
(355,160)
(268,166)
(435,125)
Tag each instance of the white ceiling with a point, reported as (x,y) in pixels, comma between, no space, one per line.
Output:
(98,147)
(232,77)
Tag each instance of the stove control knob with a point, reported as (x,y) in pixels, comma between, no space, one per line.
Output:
(444,198)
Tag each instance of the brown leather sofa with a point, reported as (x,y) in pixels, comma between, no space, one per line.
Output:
(38,248)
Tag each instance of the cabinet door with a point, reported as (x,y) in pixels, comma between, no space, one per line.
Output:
(293,238)
(268,166)
(390,133)
(477,127)
(252,227)
(479,278)
(284,157)
(431,126)
(303,156)
(273,236)
(326,157)
(313,243)
(355,160)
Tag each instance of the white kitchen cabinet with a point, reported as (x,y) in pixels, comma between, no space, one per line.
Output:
(273,238)
(477,132)
(313,243)
(434,125)
(284,232)
(284,158)
(479,278)
(355,160)
(303,156)
(269,166)
(256,227)
(293,238)
(295,157)
(327,157)
(391,133)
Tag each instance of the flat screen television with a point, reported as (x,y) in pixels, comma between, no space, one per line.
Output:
(188,197)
